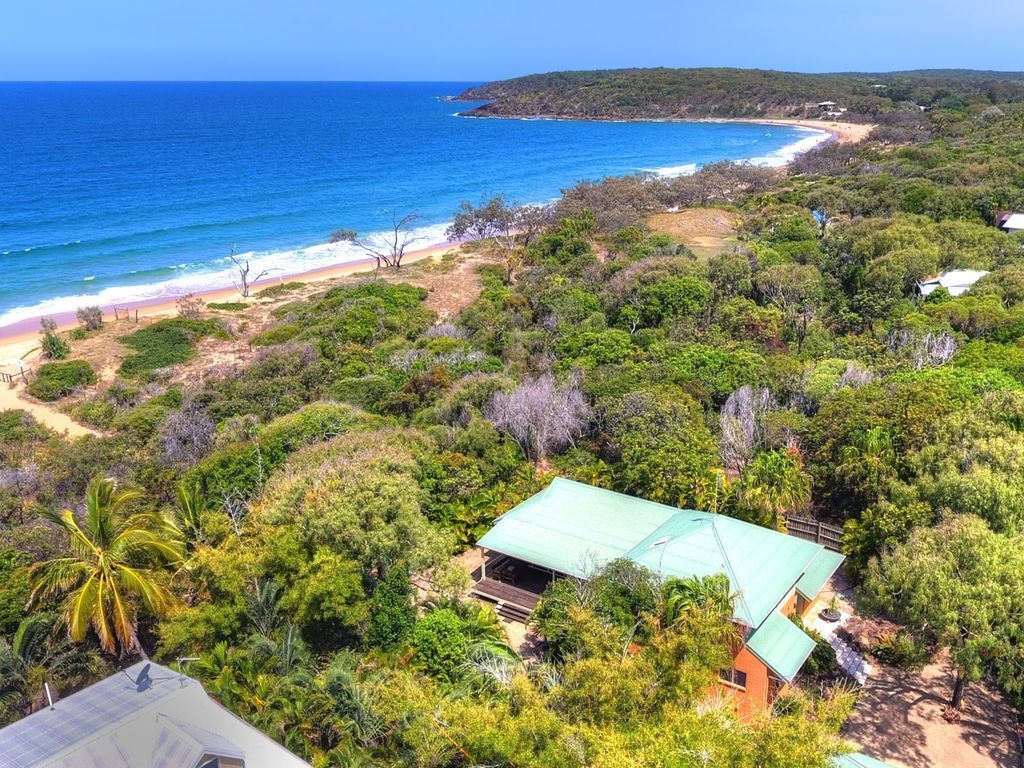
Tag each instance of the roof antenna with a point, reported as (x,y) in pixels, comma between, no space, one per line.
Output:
(181,667)
(49,696)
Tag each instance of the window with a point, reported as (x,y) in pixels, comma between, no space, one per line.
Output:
(734,677)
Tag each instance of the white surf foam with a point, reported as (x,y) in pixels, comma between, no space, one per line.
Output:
(780,157)
(687,169)
(219,274)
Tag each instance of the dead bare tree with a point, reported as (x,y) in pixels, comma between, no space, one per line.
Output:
(929,350)
(244,283)
(186,436)
(742,425)
(541,416)
(388,249)
(855,376)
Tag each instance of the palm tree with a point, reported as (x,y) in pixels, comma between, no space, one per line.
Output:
(773,483)
(33,657)
(712,593)
(102,577)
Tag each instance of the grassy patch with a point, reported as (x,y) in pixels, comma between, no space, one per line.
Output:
(168,342)
(55,380)
(227,306)
(705,231)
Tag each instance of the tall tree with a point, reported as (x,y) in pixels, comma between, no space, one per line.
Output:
(109,567)
(957,583)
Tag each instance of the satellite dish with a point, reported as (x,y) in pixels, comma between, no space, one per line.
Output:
(143,682)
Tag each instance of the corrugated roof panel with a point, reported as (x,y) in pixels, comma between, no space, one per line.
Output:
(781,645)
(818,572)
(46,733)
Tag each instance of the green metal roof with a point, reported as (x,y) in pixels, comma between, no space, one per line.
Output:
(857,760)
(818,572)
(573,528)
(781,645)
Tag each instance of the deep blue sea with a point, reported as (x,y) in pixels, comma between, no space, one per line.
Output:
(114,192)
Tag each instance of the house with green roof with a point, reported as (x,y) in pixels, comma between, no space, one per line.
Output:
(571,529)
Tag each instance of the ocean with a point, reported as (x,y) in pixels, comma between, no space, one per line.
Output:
(125,192)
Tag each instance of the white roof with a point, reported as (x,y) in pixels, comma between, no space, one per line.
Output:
(1015,222)
(956,281)
(159,720)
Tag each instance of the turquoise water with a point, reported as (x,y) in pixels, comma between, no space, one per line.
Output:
(124,192)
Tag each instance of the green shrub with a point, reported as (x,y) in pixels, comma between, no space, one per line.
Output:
(55,380)
(823,658)
(168,342)
(440,642)
(54,347)
(95,412)
(141,422)
(227,306)
(901,650)
(19,427)
(277,335)
(78,334)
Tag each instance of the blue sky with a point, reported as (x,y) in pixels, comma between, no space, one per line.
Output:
(481,40)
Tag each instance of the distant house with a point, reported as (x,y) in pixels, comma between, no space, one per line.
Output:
(956,281)
(147,716)
(570,528)
(826,105)
(1010,222)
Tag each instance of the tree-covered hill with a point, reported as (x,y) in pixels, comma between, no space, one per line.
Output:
(680,93)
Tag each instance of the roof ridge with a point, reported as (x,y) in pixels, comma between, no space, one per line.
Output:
(731,571)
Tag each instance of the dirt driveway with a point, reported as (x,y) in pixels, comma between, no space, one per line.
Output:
(899,720)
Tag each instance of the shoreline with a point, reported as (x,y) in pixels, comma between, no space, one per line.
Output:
(23,335)
(842,132)
(21,332)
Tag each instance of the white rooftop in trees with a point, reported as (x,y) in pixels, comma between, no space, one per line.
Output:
(956,281)
(1014,223)
(147,716)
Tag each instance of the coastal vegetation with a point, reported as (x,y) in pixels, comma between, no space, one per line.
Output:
(290,505)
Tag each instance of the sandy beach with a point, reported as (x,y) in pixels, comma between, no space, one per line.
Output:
(17,339)
(844,133)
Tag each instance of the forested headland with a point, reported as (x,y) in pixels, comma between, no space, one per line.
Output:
(281,485)
(701,93)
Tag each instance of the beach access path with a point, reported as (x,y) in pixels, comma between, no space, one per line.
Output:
(61,423)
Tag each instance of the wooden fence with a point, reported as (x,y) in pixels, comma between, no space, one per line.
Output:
(830,536)
(9,377)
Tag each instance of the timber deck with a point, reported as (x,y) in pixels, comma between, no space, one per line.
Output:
(512,602)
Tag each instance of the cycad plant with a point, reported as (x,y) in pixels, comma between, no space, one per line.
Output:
(110,568)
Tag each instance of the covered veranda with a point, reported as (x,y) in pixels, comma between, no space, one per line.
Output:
(513,585)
